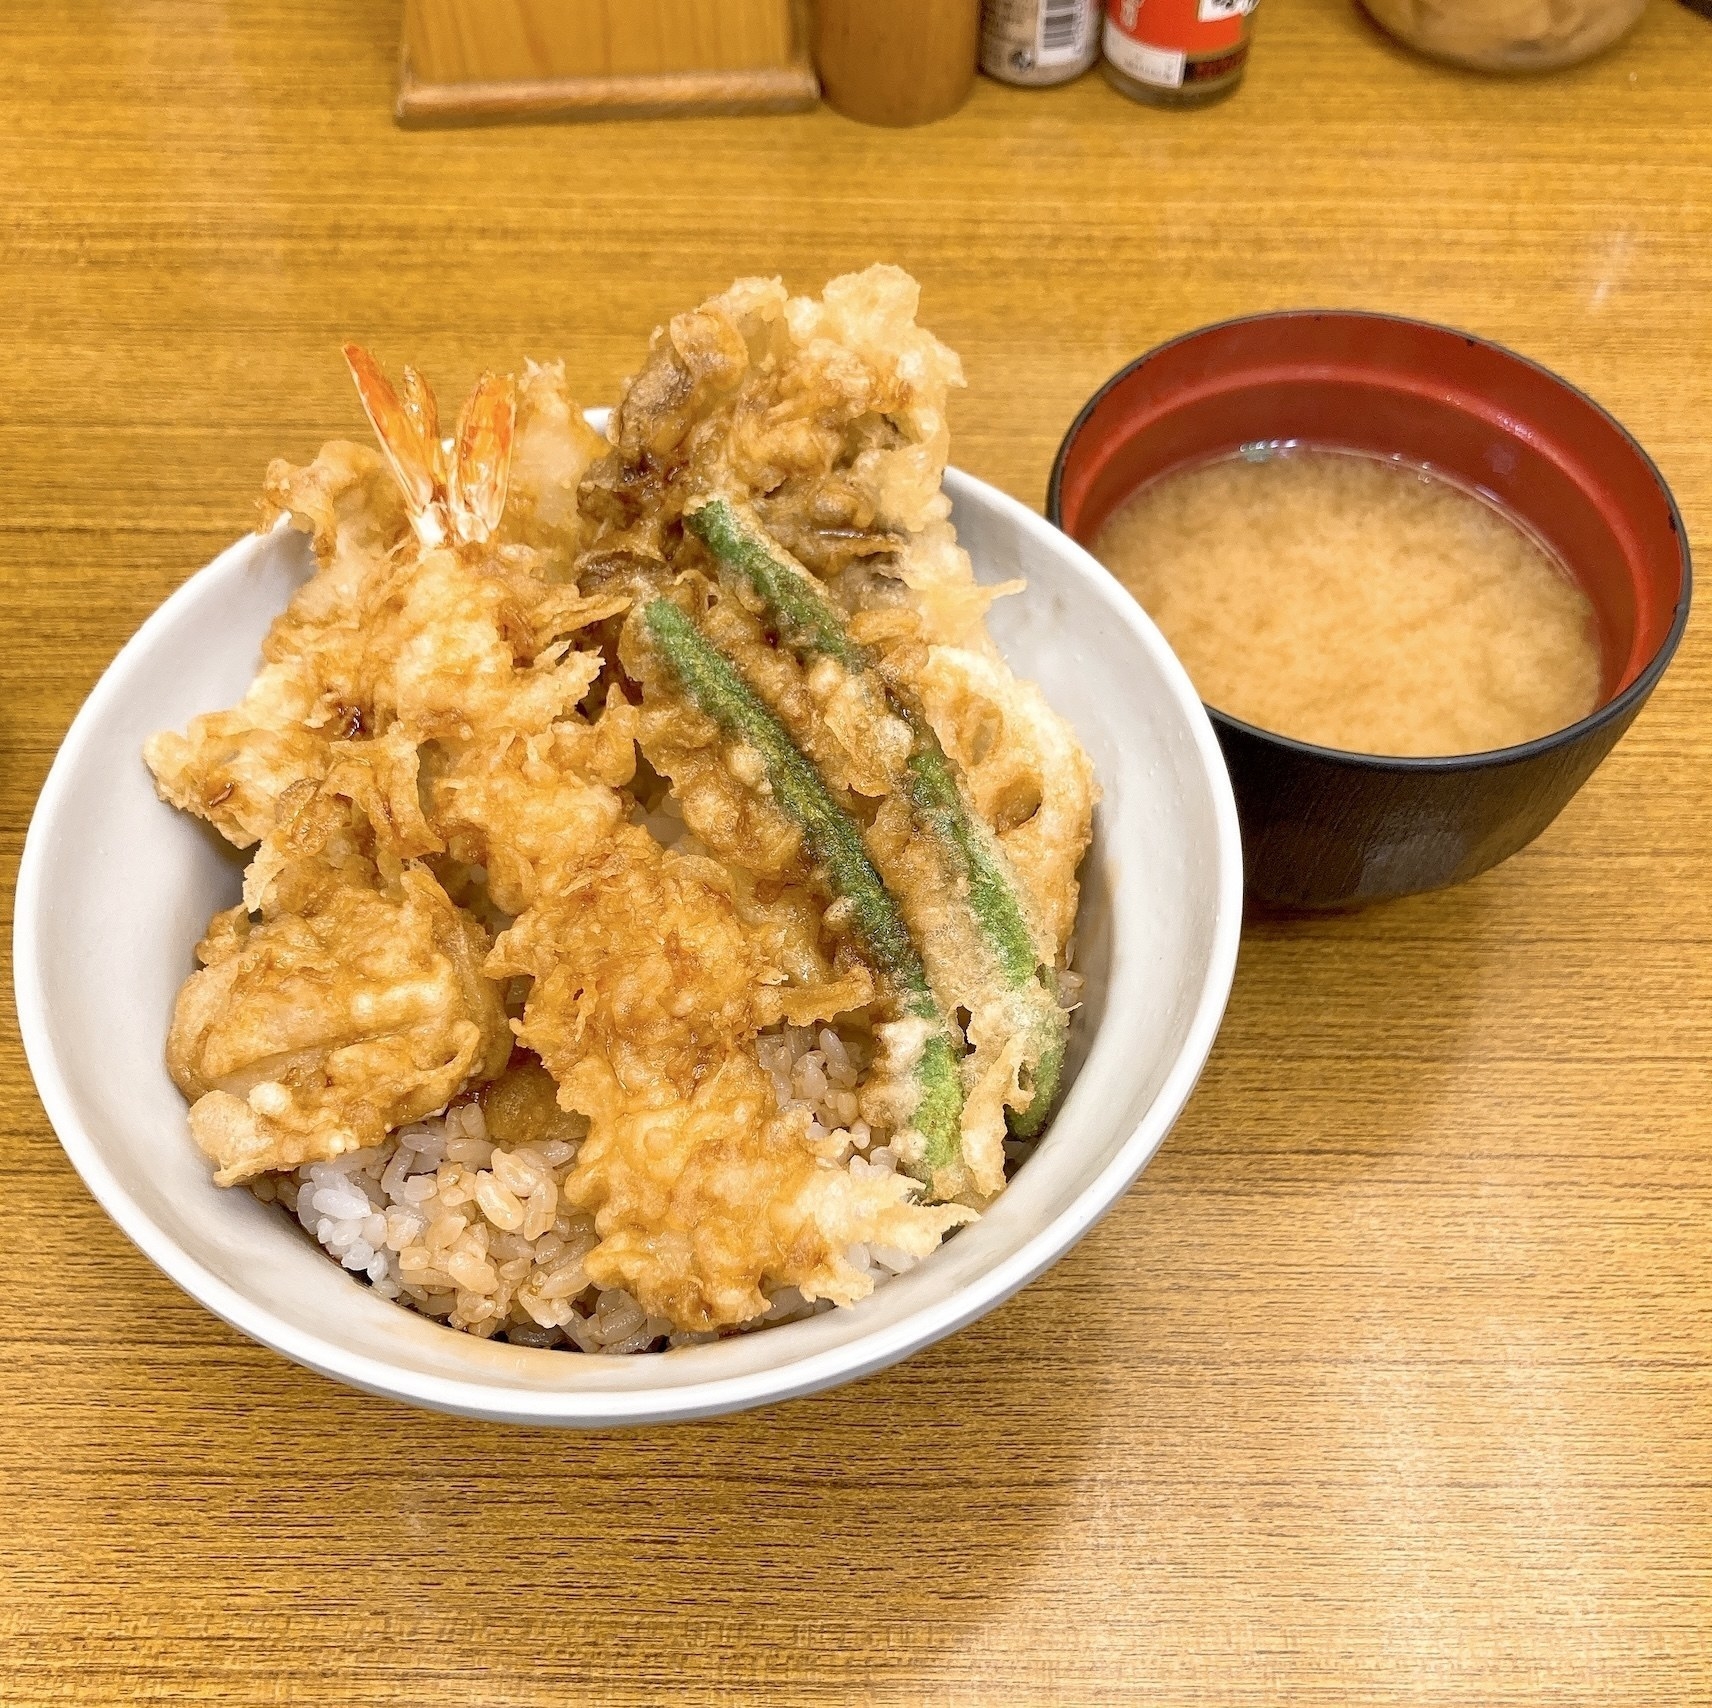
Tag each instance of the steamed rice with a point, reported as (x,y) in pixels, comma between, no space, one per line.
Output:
(476,1235)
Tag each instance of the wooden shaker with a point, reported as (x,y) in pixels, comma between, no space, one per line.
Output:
(896,62)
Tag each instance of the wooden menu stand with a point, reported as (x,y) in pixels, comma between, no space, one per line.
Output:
(478,61)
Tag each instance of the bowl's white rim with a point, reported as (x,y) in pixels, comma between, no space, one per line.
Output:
(672,1401)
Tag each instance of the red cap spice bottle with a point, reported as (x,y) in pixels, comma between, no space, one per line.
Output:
(1177,53)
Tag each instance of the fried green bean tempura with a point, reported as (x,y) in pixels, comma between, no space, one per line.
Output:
(809,622)
(834,842)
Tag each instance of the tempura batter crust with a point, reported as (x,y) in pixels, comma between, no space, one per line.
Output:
(452,764)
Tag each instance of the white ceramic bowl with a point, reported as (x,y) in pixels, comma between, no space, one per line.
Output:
(115,889)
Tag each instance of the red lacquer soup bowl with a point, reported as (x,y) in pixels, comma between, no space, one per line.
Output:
(1324,828)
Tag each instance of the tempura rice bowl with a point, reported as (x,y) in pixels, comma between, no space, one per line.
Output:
(115,885)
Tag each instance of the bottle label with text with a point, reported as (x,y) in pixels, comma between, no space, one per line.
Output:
(1039,41)
(1175,44)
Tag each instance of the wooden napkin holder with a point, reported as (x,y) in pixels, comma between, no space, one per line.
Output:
(473,61)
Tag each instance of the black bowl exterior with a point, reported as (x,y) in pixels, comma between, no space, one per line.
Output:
(1326,830)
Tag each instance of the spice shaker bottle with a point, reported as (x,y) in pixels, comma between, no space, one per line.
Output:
(896,62)
(1177,53)
(1037,42)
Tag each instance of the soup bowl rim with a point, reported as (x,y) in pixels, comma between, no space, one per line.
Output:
(1623,704)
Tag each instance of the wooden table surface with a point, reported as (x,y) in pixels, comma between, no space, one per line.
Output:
(1390,1381)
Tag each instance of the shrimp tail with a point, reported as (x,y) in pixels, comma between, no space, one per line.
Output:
(408,435)
(481,468)
(454,488)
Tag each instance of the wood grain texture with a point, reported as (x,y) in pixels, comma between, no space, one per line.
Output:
(1391,1380)
(650,95)
(896,62)
(472,61)
(482,41)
